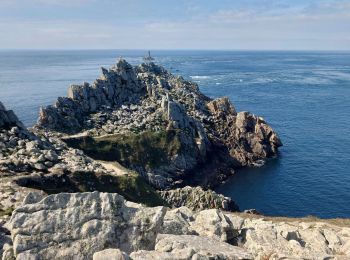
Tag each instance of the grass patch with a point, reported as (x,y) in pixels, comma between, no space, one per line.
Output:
(147,150)
(132,186)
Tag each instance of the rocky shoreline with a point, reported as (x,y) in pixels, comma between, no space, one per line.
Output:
(105,174)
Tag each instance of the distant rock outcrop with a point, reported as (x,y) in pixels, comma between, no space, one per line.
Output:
(8,118)
(194,138)
(115,87)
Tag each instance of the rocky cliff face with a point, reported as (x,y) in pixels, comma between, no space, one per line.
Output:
(162,130)
(131,108)
(103,226)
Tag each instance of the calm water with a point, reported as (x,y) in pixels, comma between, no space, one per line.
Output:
(305,96)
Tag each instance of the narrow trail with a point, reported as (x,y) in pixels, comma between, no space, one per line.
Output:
(115,167)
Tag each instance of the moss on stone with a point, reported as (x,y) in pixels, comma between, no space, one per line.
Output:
(148,149)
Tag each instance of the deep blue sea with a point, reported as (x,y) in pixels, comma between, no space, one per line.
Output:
(305,96)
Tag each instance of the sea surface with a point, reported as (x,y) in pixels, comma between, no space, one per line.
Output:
(305,96)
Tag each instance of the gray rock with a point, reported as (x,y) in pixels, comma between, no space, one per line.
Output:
(213,223)
(8,119)
(196,198)
(191,247)
(77,225)
(111,254)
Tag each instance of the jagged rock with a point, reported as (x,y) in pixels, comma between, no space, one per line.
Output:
(191,247)
(249,138)
(221,106)
(116,86)
(196,198)
(128,100)
(77,225)
(8,118)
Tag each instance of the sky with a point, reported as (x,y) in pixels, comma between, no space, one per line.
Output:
(175,24)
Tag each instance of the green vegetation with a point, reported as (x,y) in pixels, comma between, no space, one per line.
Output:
(6,212)
(148,149)
(132,186)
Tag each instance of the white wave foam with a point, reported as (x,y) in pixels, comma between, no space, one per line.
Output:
(200,77)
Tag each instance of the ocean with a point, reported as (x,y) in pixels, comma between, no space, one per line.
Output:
(304,96)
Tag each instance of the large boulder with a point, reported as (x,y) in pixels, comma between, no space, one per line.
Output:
(77,225)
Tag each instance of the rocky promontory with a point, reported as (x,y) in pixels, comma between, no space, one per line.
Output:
(159,125)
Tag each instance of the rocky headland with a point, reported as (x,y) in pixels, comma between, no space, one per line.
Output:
(120,169)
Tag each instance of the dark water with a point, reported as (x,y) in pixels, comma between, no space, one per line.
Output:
(305,96)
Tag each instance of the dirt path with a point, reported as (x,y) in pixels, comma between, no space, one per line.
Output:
(115,167)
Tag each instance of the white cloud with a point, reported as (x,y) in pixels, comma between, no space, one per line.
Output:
(321,26)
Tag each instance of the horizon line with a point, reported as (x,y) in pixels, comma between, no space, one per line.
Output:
(166,49)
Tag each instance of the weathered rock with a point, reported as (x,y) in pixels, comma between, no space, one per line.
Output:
(191,247)
(110,254)
(126,100)
(177,222)
(221,106)
(116,86)
(213,223)
(249,138)
(196,198)
(297,239)
(77,225)
(67,226)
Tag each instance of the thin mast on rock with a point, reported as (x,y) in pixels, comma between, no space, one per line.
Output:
(148,58)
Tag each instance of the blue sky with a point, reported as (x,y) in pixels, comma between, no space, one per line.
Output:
(175,24)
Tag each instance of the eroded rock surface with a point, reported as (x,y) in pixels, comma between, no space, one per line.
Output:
(79,225)
(191,247)
(196,199)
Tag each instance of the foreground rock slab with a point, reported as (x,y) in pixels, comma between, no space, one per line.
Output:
(100,225)
(74,226)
